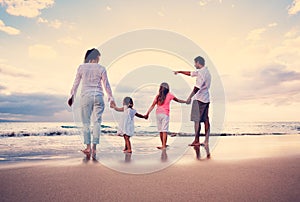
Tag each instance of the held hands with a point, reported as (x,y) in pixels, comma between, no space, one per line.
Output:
(112,104)
(146,116)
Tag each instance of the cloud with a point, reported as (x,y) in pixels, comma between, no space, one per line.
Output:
(203,2)
(28,8)
(292,33)
(287,52)
(274,75)
(255,34)
(53,23)
(40,51)
(9,30)
(2,87)
(31,104)
(42,20)
(70,41)
(294,8)
(271,83)
(278,76)
(129,88)
(274,24)
(9,70)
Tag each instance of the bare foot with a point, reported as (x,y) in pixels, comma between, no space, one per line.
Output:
(161,148)
(124,149)
(86,151)
(127,151)
(195,144)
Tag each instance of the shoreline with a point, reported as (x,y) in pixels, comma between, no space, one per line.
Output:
(228,148)
(263,168)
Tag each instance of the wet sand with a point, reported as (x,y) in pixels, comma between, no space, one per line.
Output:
(258,168)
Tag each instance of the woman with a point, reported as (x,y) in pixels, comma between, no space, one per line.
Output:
(91,74)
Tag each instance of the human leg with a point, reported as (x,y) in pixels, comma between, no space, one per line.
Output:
(197,128)
(164,140)
(86,111)
(125,147)
(195,117)
(207,133)
(98,111)
(163,127)
(161,137)
(205,119)
(128,144)
(94,149)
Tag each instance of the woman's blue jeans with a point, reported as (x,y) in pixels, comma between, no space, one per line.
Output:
(92,104)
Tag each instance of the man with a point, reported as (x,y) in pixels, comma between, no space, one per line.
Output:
(200,106)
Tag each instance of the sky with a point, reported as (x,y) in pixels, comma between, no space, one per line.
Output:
(253,46)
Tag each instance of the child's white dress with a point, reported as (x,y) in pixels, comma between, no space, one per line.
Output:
(126,125)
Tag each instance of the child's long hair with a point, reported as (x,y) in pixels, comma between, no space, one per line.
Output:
(162,94)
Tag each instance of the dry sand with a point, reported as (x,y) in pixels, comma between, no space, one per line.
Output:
(263,168)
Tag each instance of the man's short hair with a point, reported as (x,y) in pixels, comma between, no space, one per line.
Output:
(200,60)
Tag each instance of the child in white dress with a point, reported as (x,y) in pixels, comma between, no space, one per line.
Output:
(126,125)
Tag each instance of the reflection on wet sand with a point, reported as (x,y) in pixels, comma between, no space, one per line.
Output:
(164,155)
(128,157)
(198,152)
(88,157)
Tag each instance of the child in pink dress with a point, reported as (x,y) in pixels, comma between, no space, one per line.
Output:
(162,100)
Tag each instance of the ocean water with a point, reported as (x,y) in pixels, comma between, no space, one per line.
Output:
(25,129)
(36,141)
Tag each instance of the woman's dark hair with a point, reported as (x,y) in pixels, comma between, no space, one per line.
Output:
(162,94)
(128,102)
(91,54)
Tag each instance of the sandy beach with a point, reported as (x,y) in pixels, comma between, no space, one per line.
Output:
(241,168)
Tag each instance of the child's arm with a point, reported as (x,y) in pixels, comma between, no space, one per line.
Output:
(179,100)
(119,109)
(140,116)
(187,73)
(151,108)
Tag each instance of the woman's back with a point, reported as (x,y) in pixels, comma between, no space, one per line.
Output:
(91,78)
(91,75)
